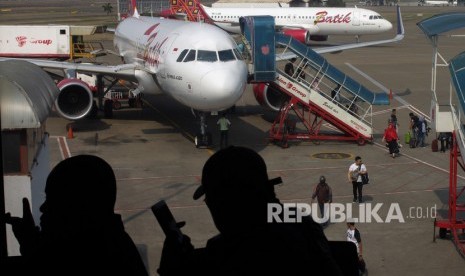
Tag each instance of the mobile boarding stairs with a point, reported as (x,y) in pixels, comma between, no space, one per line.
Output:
(308,93)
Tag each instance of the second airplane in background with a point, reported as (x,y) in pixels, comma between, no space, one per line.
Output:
(302,23)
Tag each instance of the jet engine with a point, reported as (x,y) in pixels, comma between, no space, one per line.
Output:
(319,37)
(269,96)
(298,34)
(75,99)
(303,35)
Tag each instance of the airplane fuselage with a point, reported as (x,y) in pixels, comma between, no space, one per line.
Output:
(318,21)
(195,63)
(436,3)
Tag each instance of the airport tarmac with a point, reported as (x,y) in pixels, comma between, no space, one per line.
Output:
(152,153)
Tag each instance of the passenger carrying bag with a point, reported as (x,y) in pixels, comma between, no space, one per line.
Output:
(365,179)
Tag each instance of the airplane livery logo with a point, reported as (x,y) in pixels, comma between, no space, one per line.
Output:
(322,17)
(152,53)
(21,40)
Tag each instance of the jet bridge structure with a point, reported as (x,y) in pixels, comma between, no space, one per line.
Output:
(450,120)
(317,94)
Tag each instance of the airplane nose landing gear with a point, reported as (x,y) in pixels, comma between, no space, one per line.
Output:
(204,138)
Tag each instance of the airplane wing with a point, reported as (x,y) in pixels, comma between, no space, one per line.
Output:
(331,49)
(76,98)
(123,71)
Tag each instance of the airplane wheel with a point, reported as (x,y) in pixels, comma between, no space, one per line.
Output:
(203,141)
(108,109)
(361,141)
(116,105)
(132,102)
(94,111)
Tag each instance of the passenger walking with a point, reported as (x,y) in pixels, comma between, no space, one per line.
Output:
(224,124)
(315,83)
(355,177)
(391,138)
(289,67)
(393,120)
(353,235)
(301,73)
(335,93)
(322,192)
(421,131)
(413,123)
(444,138)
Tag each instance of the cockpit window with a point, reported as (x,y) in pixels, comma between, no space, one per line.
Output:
(182,55)
(226,55)
(209,56)
(190,56)
(238,55)
(375,17)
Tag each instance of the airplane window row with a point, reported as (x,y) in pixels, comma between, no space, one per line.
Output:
(279,16)
(375,17)
(208,56)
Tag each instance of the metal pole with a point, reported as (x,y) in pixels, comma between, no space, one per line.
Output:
(3,244)
(119,13)
(100,93)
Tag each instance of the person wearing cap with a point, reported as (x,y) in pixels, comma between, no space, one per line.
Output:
(323,194)
(237,191)
(79,232)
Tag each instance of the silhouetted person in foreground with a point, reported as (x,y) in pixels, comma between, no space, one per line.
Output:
(237,192)
(79,232)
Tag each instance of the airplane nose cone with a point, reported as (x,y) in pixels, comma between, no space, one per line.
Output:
(222,88)
(386,26)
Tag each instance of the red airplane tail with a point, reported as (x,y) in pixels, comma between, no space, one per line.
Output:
(191,8)
(133,8)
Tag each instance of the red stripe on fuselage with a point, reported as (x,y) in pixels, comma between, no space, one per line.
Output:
(150,30)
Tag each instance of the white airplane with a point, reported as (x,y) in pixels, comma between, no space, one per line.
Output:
(302,23)
(196,63)
(437,3)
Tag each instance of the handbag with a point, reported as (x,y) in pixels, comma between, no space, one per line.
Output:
(365,179)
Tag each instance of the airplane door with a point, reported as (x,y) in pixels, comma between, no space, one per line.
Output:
(356,18)
(63,41)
